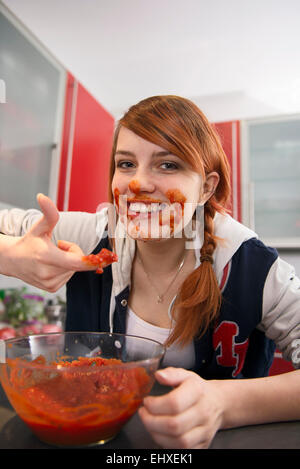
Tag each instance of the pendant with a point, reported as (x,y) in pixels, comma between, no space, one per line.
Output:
(160,299)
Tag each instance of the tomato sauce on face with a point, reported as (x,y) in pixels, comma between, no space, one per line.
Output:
(134,186)
(175,195)
(116,196)
(82,402)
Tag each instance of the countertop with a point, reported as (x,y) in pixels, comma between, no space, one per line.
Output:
(14,434)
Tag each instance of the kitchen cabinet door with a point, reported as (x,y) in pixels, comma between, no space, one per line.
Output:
(86,149)
(229,133)
(271,179)
(30,117)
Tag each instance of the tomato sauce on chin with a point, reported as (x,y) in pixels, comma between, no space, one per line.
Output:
(84,402)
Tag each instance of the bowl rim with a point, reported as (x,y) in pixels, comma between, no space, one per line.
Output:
(145,361)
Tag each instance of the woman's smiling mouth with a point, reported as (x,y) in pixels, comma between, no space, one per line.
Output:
(144,207)
(137,208)
(147,217)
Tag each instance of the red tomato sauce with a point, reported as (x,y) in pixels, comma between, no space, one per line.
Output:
(174,195)
(117,196)
(134,186)
(82,405)
(100,260)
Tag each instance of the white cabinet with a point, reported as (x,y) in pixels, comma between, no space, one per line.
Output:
(30,117)
(271,179)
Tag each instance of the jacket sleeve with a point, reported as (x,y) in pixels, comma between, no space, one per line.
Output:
(16,222)
(281,310)
(84,229)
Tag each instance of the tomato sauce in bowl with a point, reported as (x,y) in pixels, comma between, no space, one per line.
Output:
(75,403)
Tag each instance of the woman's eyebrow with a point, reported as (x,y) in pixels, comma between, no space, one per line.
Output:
(154,154)
(161,153)
(124,153)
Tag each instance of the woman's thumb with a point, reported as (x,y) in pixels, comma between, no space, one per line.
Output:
(49,219)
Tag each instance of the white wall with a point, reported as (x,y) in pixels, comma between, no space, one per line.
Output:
(123,51)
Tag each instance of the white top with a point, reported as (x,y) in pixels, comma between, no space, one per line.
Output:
(175,355)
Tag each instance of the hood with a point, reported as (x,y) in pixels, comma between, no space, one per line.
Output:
(232,234)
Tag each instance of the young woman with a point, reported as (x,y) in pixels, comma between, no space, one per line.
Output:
(187,275)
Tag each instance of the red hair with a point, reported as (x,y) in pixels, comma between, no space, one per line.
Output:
(177,125)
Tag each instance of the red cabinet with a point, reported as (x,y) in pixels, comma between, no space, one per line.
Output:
(86,147)
(229,133)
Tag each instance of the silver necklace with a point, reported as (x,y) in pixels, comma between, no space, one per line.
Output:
(160,296)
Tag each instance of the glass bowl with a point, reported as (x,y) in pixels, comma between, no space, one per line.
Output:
(78,388)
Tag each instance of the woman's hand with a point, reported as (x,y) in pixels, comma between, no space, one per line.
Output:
(188,416)
(35,259)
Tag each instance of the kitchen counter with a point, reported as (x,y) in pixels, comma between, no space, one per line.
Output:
(14,434)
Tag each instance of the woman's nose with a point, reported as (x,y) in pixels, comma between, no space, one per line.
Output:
(142,182)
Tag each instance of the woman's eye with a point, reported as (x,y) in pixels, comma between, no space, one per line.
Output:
(125,164)
(169,165)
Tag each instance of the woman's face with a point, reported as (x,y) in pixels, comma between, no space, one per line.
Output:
(155,192)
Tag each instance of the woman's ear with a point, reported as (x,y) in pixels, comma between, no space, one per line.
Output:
(210,185)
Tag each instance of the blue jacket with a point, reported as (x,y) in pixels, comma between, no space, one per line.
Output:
(232,348)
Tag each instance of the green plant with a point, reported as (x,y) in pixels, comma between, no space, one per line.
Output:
(21,306)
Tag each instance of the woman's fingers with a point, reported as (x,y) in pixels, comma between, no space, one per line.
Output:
(75,253)
(69,247)
(175,424)
(173,376)
(183,396)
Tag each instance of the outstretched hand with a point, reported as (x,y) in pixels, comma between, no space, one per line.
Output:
(35,259)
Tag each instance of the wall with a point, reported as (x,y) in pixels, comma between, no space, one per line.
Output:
(292,256)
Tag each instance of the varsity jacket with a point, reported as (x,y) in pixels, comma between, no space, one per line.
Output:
(260,307)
